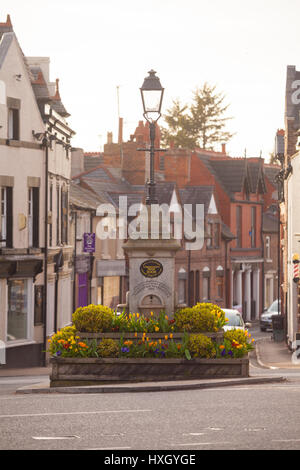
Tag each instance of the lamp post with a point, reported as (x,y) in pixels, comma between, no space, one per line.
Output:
(152,95)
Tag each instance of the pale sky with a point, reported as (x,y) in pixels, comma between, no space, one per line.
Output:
(95,46)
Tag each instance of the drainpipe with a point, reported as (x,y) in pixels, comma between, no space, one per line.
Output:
(74,264)
(189,279)
(263,264)
(45,144)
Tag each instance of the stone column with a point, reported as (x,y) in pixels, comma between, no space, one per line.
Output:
(256,291)
(247,313)
(239,296)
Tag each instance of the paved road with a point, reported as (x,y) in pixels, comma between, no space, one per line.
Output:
(254,417)
(238,417)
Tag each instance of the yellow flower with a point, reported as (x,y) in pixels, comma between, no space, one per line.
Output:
(171,335)
(226,319)
(135,334)
(166,337)
(166,317)
(137,315)
(156,328)
(151,314)
(159,341)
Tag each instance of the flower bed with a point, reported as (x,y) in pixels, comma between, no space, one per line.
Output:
(124,341)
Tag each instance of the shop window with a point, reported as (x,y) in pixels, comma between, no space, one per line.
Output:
(18,309)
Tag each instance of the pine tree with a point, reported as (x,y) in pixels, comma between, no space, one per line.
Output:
(202,124)
(179,130)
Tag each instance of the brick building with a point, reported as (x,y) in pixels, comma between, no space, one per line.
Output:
(235,193)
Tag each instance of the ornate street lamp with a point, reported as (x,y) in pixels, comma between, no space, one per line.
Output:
(152,94)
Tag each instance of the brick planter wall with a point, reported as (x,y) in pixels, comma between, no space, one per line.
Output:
(93,371)
(217,336)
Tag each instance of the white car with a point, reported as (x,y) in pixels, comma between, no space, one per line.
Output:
(235,320)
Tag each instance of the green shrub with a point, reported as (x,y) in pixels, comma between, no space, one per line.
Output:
(108,348)
(201,346)
(238,335)
(201,317)
(93,319)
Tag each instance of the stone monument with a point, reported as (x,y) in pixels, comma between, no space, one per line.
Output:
(152,270)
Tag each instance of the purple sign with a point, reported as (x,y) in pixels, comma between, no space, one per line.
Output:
(89,240)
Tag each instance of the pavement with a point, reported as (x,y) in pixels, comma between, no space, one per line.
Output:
(268,355)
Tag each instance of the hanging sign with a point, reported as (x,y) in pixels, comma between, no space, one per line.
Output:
(89,242)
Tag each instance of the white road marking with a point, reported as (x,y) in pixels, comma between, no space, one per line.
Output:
(52,438)
(109,448)
(200,444)
(27,415)
(285,440)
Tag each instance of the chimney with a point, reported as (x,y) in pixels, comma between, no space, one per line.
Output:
(224,149)
(279,142)
(120,137)
(109,137)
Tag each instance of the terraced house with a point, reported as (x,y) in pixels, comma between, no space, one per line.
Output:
(235,192)
(35,166)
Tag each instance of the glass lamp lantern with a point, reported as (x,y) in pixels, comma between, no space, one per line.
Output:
(152,96)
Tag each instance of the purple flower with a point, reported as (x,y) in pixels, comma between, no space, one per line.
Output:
(223,352)
(230,352)
(124,349)
(58,353)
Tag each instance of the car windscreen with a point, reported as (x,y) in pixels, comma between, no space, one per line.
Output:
(273,307)
(234,319)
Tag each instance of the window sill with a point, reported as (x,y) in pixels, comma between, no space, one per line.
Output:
(20,342)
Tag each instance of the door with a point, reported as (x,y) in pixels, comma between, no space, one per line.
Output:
(82,290)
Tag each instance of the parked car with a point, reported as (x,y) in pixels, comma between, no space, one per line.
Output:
(265,321)
(235,320)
